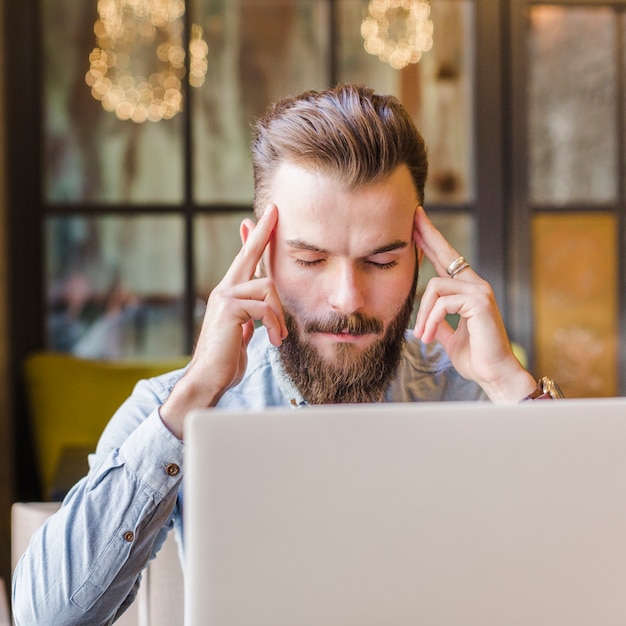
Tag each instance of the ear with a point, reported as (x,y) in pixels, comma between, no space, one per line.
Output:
(419,250)
(245,230)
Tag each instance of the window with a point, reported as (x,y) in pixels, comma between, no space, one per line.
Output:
(139,218)
(570,79)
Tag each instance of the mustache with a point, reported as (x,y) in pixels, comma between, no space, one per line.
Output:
(355,324)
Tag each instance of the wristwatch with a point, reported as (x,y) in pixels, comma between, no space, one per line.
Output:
(546,389)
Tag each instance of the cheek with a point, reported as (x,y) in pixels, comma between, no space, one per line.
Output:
(391,295)
(294,286)
(387,297)
(300,294)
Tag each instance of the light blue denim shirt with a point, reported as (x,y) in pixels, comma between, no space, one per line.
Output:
(83,566)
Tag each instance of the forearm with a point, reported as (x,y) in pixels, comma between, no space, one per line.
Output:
(83,566)
(190,392)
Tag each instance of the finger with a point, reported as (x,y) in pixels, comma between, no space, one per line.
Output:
(470,299)
(253,310)
(441,288)
(428,325)
(444,335)
(435,246)
(433,329)
(262,290)
(244,264)
(255,300)
(248,332)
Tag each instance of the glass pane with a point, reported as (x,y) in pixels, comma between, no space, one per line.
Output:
(575,287)
(572,105)
(259,51)
(89,154)
(437,91)
(216,242)
(115,285)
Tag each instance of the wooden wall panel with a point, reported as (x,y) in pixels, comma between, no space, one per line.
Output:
(575,290)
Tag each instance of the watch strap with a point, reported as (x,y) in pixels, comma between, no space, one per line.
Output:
(546,389)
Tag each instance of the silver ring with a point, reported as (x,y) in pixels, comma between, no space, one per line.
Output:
(458,265)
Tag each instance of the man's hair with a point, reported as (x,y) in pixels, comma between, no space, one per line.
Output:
(349,133)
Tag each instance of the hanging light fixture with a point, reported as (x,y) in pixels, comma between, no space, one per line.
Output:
(138,64)
(398,31)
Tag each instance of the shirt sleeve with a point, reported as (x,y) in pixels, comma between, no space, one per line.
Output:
(84,565)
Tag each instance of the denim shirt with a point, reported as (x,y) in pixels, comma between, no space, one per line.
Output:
(83,566)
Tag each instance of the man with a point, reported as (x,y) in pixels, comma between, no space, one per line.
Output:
(329,270)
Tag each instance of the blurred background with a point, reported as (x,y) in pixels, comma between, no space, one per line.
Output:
(125,167)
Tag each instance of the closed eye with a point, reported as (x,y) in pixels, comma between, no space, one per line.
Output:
(383,266)
(304,263)
(386,257)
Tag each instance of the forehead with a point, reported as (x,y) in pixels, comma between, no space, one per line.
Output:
(318,209)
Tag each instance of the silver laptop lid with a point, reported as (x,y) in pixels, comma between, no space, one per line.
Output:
(431,514)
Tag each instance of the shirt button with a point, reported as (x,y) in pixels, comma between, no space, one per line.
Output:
(129,536)
(172,469)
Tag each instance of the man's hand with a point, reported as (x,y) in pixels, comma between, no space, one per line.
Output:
(479,347)
(220,357)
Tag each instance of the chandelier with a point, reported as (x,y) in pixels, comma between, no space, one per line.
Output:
(398,31)
(138,64)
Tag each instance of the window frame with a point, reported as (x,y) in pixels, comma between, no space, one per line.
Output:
(27,209)
(520,319)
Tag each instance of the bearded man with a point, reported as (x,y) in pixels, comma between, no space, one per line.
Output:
(314,309)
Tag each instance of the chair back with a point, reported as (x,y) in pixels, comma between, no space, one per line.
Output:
(160,601)
(71,400)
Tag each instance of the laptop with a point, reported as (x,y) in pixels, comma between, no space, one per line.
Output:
(450,514)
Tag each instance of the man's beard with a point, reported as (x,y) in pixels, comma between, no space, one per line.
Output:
(353,375)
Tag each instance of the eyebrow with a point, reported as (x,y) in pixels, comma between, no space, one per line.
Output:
(300,244)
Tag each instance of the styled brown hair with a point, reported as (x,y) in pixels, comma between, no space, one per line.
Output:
(347,132)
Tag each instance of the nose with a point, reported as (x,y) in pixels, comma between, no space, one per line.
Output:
(347,291)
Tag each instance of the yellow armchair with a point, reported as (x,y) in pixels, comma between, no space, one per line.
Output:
(71,400)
